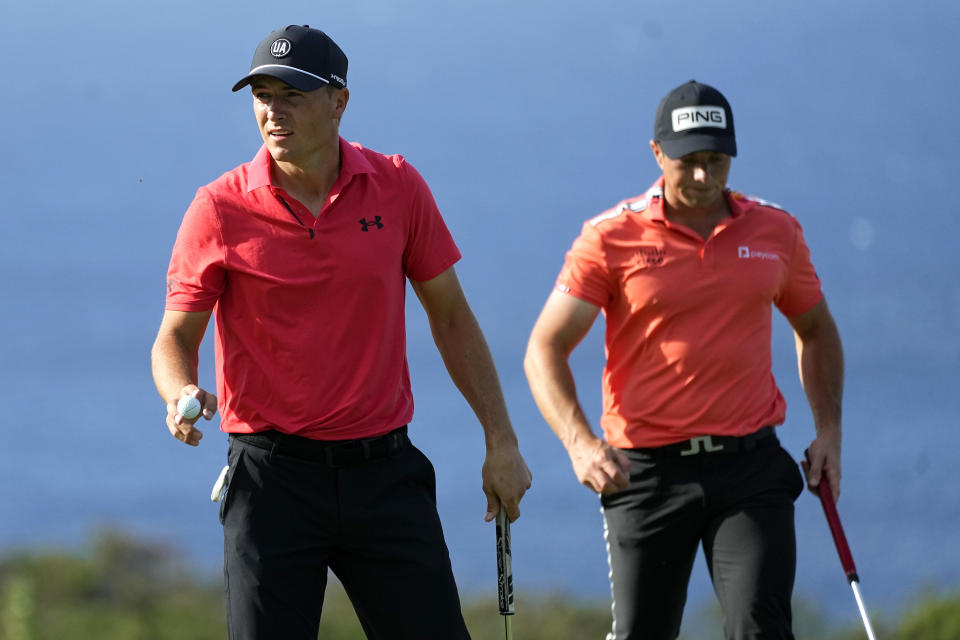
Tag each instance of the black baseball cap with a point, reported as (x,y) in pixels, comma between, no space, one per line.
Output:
(694,117)
(304,58)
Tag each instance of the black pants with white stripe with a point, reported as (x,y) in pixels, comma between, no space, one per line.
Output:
(739,506)
(374,525)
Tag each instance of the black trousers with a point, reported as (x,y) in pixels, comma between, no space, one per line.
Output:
(739,506)
(374,524)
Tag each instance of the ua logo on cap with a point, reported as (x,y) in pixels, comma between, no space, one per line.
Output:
(280,47)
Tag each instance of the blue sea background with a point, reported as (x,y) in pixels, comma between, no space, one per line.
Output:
(526,118)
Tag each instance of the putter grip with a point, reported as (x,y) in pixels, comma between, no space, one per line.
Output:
(839,539)
(504,565)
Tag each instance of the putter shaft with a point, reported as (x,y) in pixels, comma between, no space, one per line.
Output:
(863,611)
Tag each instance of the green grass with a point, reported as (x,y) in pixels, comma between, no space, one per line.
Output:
(121,588)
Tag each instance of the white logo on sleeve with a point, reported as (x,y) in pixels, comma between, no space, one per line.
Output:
(744,252)
(684,118)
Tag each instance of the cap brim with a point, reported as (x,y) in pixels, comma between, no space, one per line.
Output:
(695,143)
(294,77)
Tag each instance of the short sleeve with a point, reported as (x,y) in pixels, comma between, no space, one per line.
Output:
(801,287)
(585,273)
(430,249)
(196,276)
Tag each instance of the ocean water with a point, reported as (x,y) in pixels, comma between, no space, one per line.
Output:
(85,445)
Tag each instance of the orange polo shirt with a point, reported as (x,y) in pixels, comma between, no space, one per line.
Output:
(310,323)
(689,321)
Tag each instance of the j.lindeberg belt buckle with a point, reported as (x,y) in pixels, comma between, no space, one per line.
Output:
(708,446)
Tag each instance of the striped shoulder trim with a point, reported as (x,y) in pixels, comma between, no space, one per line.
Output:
(635,206)
(757,200)
(607,215)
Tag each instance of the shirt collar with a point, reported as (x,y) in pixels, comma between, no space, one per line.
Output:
(352,162)
(654,202)
(654,198)
(739,205)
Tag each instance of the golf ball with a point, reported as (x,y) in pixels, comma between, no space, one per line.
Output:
(188,407)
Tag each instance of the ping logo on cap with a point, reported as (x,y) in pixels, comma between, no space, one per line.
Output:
(280,47)
(684,118)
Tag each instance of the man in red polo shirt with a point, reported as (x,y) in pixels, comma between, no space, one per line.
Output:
(303,255)
(686,275)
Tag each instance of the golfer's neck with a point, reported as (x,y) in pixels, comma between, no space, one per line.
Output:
(309,180)
(700,219)
(678,210)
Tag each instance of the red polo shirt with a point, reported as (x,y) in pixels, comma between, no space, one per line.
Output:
(688,320)
(310,333)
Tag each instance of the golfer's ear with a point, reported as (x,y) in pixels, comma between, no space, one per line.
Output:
(657,153)
(341,97)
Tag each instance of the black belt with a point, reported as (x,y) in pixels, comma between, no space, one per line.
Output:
(333,453)
(718,444)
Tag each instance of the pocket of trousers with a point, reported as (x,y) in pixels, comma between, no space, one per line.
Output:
(791,473)
(235,460)
(423,473)
(646,478)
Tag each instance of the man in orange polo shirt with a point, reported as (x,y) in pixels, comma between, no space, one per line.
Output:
(303,255)
(686,275)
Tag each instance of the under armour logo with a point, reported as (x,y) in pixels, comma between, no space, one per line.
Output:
(280,47)
(366,225)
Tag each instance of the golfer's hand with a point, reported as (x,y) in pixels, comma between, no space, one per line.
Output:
(822,463)
(599,466)
(183,429)
(506,478)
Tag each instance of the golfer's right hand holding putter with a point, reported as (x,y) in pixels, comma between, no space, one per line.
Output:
(505,479)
